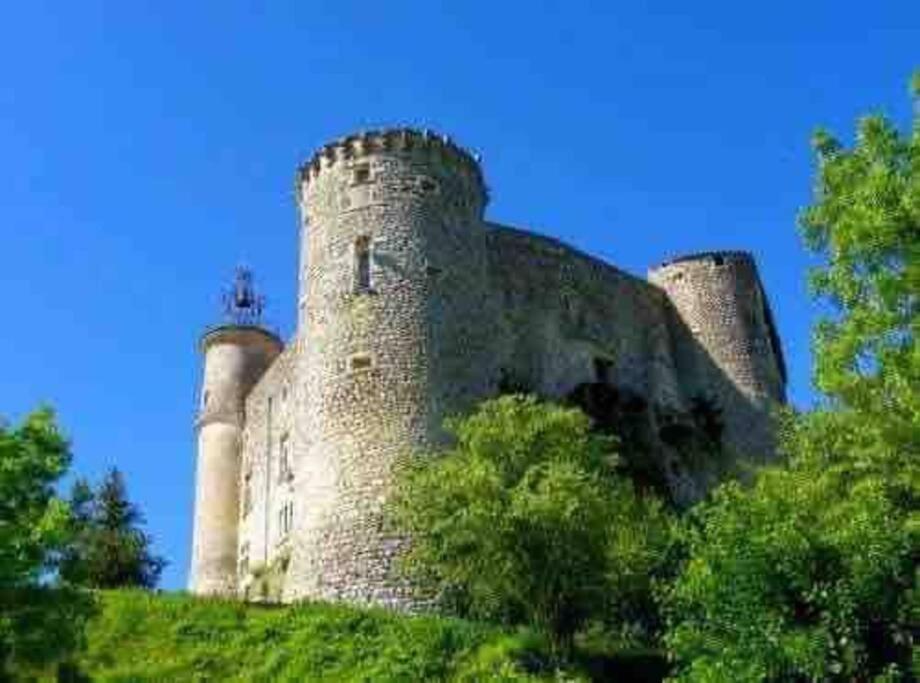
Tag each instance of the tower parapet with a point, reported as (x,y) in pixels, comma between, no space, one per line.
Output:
(440,149)
(236,354)
(727,347)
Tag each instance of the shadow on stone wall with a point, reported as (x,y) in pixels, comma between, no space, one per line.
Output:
(577,329)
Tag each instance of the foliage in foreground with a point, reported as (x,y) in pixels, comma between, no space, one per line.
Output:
(36,624)
(807,576)
(108,548)
(812,574)
(33,521)
(139,636)
(526,520)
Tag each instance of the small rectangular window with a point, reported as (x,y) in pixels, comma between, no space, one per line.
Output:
(285,471)
(361,174)
(244,559)
(247,496)
(602,367)
(286,518)
(360,362)
(363,264)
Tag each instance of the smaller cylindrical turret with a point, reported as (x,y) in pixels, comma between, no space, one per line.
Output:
(236,355)
(726,346)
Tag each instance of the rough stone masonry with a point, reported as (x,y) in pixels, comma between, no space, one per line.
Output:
(412,306)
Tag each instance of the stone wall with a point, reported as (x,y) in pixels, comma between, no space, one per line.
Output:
(266,484)
(563,312)
(569,320)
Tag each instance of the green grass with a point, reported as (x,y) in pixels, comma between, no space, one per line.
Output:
(140,637)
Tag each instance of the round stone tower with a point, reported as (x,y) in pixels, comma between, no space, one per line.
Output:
(727,348)
(393,291)
(235,357)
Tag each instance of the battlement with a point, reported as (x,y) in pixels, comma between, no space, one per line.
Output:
(387,140)
(707,281)
(715,258)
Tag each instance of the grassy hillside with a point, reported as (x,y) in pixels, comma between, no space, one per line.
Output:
(144,637)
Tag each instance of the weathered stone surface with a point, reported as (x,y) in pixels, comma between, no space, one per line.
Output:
(413,307)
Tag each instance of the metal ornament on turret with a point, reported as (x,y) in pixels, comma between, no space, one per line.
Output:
(242,305)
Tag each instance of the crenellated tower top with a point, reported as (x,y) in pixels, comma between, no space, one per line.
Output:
(713,258)
(441,148)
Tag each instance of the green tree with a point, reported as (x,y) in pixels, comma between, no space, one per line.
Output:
(811,574)
(805,577)
(109,549)
(525,519)
(38,624)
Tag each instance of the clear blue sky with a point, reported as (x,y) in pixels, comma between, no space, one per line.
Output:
(147,147)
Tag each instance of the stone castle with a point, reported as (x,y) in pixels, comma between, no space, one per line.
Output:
(412,306)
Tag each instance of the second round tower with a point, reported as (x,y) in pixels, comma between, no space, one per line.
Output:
(728,349)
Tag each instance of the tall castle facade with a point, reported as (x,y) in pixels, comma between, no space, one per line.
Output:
(412,306)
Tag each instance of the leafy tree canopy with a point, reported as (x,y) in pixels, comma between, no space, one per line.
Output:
(526,519)
(38,624)
(33,521)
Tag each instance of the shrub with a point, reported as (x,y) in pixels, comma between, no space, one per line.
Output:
(526,519)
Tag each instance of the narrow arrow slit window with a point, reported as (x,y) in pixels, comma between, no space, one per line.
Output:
(363,264)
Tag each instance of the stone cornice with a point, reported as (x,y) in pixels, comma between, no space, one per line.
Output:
(386,140)
(240,334)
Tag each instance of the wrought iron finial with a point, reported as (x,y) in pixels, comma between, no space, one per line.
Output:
(242,304)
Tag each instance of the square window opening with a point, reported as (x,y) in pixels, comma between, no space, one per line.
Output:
(361,174)
(359,363)
(602,368)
